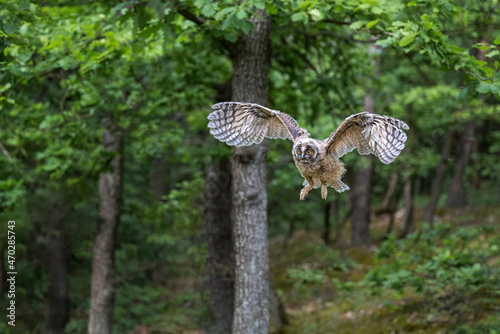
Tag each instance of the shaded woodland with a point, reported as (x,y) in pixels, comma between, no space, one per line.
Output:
(131,218)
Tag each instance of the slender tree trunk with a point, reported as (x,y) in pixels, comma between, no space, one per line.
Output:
(408,221)
(360,218)
(157,185)
(476,176)
(218,228)
(457,194)
(57,270)
(250,57)
(326,231)
(289,234)
(391,190)
(438,181)
(278,312)
(110,195)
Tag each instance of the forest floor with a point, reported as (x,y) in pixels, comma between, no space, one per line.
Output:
(307,275)
(321,286)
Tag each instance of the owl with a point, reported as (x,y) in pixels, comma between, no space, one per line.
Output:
(318,161)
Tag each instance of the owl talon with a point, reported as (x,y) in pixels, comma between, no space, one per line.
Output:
(324,192)
(303,194)
(305,191)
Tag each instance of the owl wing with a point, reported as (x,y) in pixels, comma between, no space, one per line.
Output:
(369,133)
(243,124)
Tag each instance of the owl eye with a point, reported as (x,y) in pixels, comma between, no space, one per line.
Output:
(299,152)
(308,151)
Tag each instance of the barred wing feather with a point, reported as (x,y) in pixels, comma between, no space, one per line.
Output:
(382,136)
(243,124)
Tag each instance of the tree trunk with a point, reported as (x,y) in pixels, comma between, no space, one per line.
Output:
(278,312)
(57,270)
(457,194)
(289,234)
(360,218)
(408,224)
(110,194)
(438,181)
(157,185)
(220,260)
(250,57)
(391,190)
(326,231)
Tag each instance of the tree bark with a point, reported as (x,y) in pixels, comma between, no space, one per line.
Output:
(391,190)
(220,260)
(360,218)
(57,271)
(103,276)
(438,181)
(250,57)
(326,226)
(457,194)
(157,184)
(408,224)
(278,312)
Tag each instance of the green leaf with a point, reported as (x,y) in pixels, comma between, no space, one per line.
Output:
(209,9)
(300,16)
(10,28)
(372,23)
(316,15)
(223,12)
(358,24)
(241,14)
(271,9)
(493,53)
(407,39)
(485,88)
(260,4)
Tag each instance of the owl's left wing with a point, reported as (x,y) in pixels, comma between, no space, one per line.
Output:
(243,124)
(369,133)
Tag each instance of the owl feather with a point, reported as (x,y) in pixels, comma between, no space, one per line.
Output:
(243,124)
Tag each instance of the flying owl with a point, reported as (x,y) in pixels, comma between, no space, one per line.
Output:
(243,124)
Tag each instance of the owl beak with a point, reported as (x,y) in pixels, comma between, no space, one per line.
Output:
(302,155)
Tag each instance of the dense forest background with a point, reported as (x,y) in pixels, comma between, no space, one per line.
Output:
(131,218)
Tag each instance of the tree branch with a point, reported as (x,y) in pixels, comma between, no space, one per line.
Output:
(332,34)
(191,17)
(337,22)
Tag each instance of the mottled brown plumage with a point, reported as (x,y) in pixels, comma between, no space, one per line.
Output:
(241,124)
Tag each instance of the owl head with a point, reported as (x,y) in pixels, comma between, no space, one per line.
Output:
(305,150)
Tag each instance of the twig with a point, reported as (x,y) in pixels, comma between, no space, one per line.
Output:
(5,152)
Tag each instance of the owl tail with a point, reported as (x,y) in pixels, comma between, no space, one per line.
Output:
(305,183)
(339,186)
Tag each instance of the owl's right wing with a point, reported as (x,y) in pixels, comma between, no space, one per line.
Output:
(369,133)
(243,124)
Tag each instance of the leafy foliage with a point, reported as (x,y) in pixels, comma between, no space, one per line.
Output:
(451,269)
(151,70)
